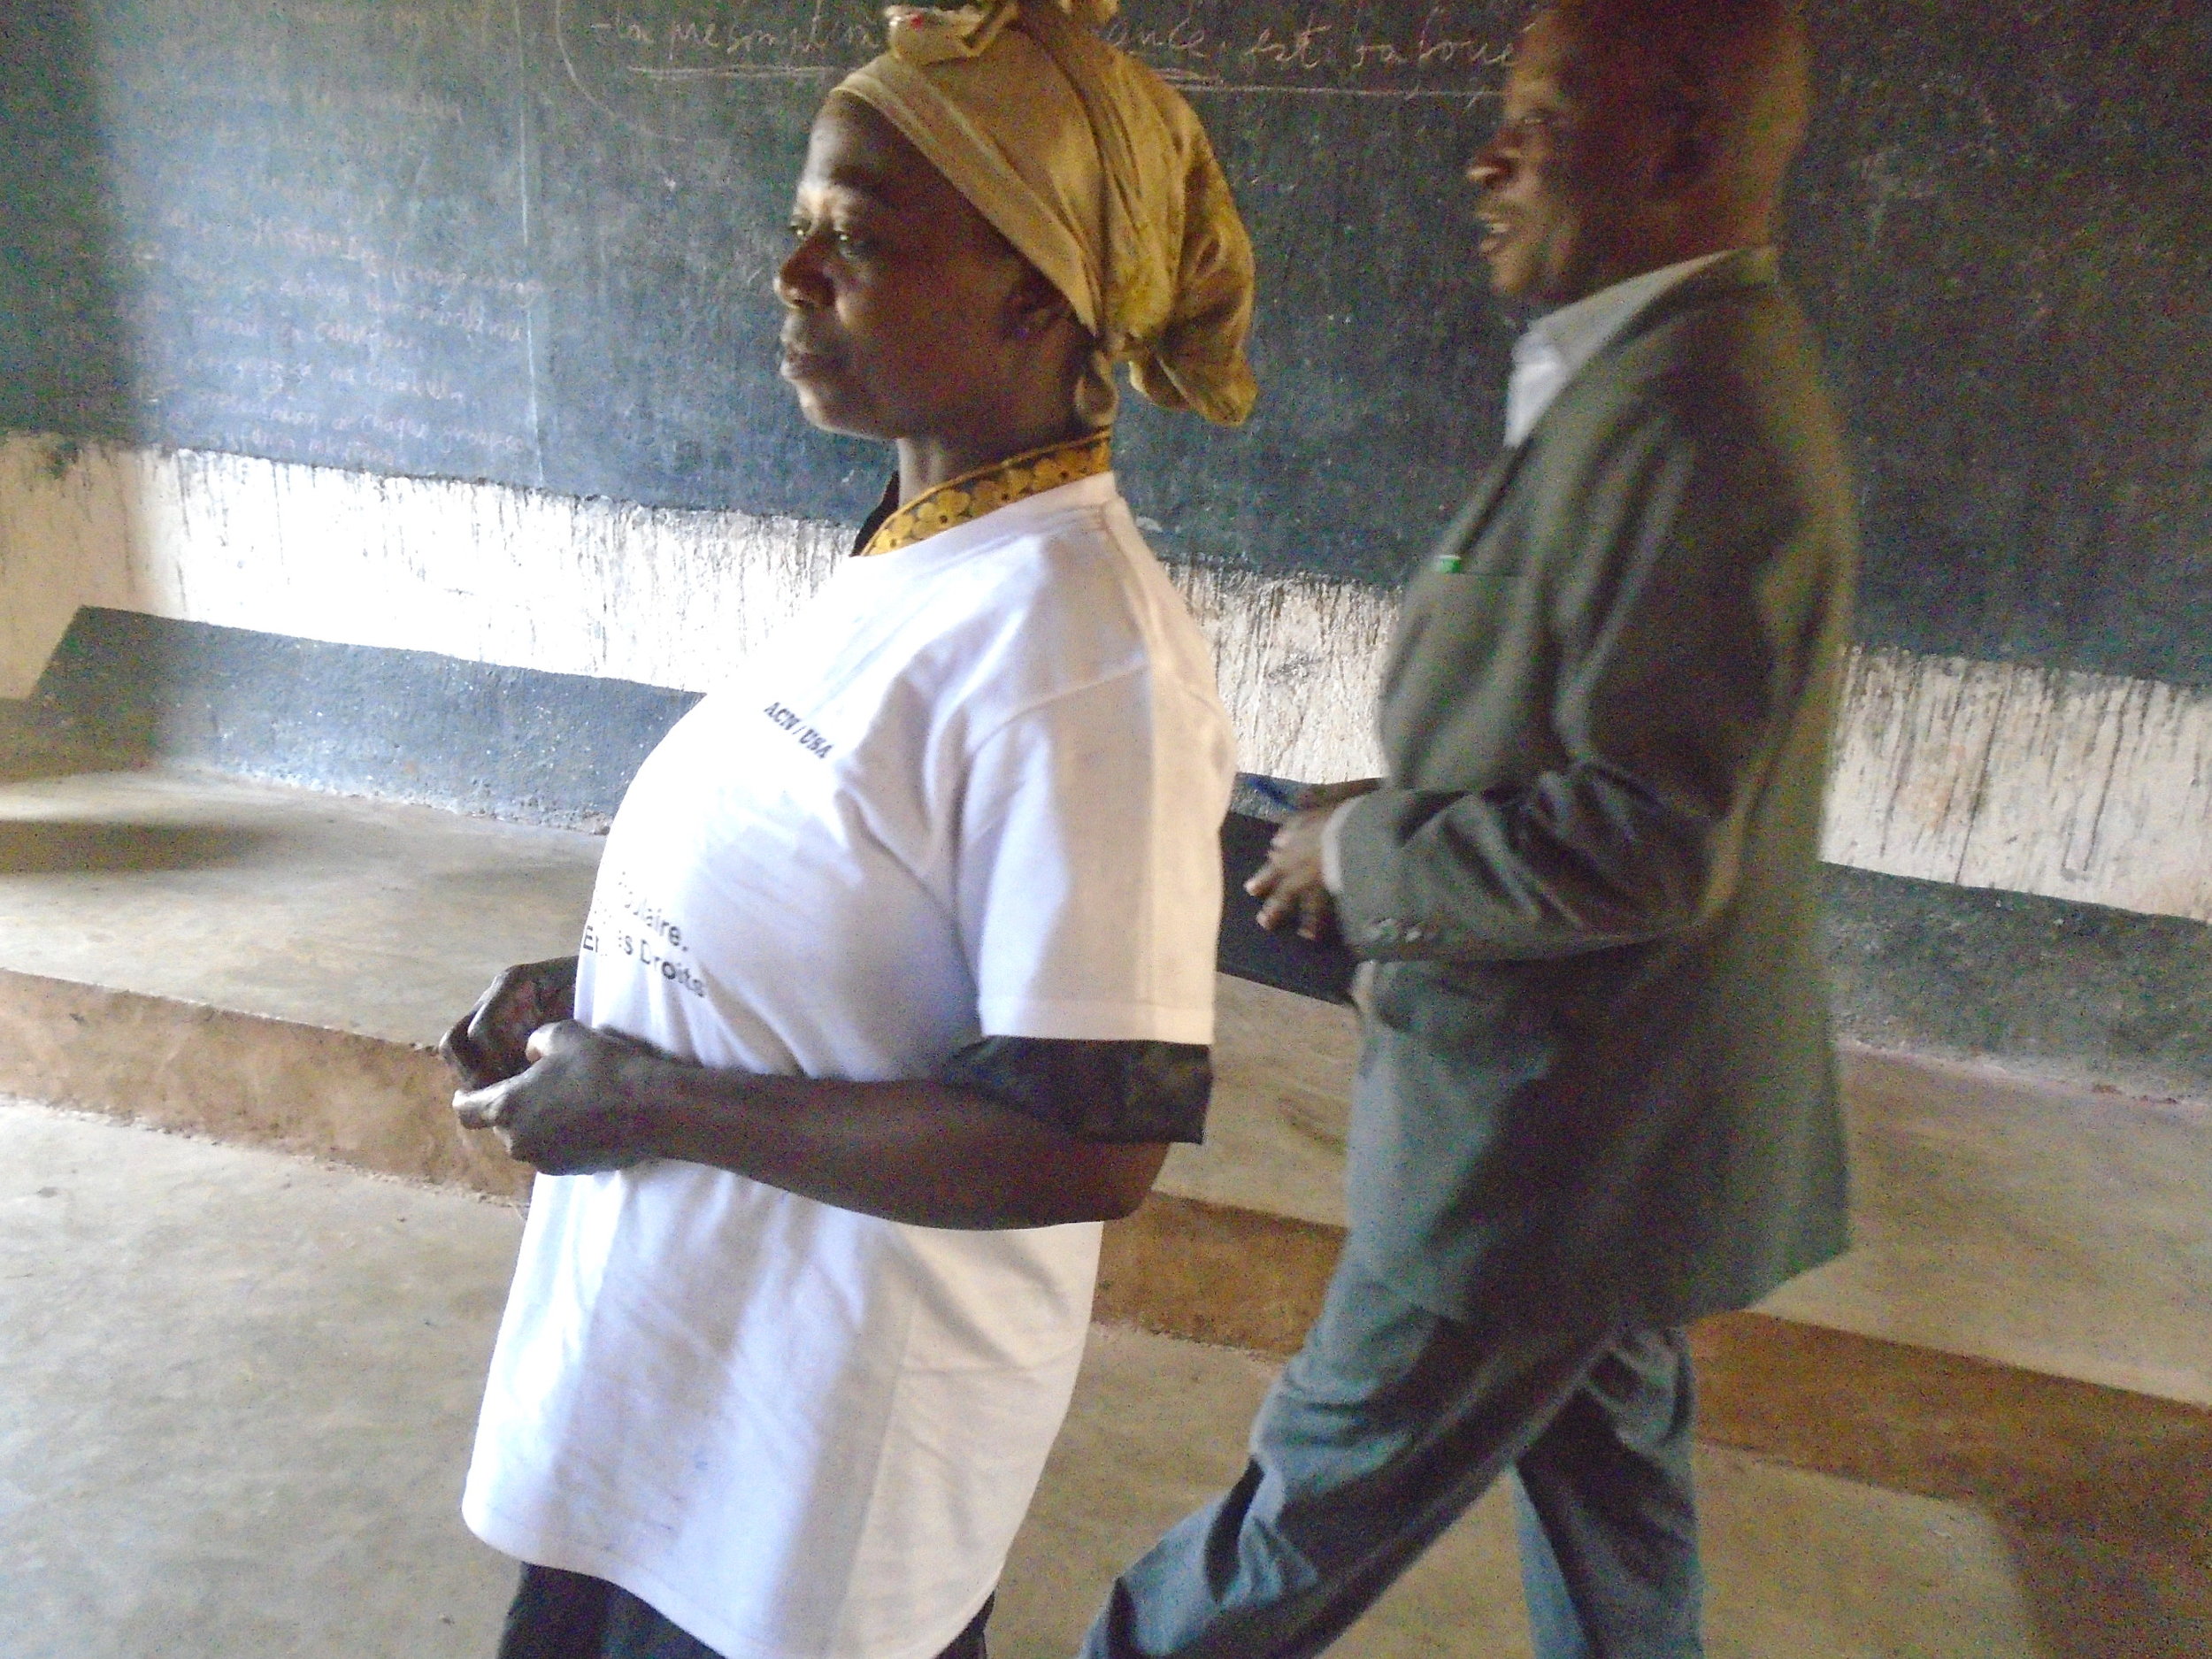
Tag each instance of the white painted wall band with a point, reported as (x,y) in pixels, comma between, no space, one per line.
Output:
(2078,785)
(2086,786)
(482,571)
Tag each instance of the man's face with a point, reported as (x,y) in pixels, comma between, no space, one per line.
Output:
(1563,176)
(896,295)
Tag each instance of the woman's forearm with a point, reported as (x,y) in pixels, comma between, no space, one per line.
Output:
(917,1152)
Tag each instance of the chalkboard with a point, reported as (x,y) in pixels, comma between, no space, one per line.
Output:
(530,240)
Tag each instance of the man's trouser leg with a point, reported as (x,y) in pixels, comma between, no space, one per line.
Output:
(1382,1431)
(1604,1510)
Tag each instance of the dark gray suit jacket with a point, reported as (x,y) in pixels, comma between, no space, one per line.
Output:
(1598,1083)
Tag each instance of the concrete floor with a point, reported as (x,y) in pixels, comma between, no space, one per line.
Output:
(239,1388)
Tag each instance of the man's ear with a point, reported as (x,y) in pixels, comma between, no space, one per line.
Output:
(1688,150)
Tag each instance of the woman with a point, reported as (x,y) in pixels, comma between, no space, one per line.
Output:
(898,975)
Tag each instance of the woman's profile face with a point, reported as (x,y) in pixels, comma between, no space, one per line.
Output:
(902,307)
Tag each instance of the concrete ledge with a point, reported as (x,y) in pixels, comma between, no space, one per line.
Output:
(361,1101)
(2080,993)
(2025,1448)
(521,744)
(1182,1267)
(1985,1217)
(38,740)
(2033,1450)
(270,965)
(1212,1274)
(2042,1455)
(2028,1448)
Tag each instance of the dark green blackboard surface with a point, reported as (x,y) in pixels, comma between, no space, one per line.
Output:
(530,240)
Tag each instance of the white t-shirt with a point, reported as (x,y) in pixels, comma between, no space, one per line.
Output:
(972,790)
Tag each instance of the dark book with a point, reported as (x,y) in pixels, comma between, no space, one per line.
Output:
(1322,971)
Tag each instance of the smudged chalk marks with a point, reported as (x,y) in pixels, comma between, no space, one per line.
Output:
(2076,785)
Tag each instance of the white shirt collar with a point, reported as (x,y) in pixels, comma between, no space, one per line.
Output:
(1551,352)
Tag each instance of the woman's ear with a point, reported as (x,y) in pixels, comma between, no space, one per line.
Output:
(1034,307)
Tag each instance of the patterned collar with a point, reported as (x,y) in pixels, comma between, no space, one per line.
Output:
(986,489)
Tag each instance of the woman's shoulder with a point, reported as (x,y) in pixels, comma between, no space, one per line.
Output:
(1069,595)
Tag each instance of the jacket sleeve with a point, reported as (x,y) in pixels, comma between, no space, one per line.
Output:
(1679,594)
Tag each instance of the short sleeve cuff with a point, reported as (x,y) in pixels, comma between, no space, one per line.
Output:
(1124,1091)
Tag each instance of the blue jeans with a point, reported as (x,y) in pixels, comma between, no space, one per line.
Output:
(1388,1424)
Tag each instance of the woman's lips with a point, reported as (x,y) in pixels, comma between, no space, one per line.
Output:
(800,364)
(802,359)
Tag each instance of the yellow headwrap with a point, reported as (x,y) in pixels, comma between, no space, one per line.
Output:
(1097,173)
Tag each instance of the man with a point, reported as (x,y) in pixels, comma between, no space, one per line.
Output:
(1597,1096)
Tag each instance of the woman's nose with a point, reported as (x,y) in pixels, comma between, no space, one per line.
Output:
(799,281)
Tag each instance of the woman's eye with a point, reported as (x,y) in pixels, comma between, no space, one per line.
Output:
(849,243)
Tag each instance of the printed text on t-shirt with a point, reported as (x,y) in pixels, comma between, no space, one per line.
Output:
(641,931)
(810,740)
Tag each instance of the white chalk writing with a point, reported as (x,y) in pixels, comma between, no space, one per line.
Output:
(1455,51)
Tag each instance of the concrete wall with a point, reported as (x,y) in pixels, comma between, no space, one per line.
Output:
(2079,787)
